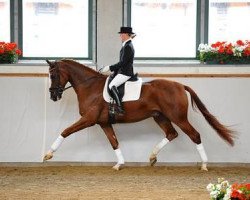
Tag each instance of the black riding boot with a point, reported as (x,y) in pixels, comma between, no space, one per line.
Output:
(115,93)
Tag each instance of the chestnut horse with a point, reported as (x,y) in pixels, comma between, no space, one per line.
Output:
(166,101)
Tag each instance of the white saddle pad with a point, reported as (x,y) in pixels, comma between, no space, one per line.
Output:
(132,90)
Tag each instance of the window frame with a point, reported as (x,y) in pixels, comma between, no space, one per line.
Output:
(12,18)
(16,29)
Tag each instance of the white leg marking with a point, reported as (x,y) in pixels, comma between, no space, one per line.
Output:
(156,150)
(57,143)
(119,158)
(53,148)
(203,156)
(159,146)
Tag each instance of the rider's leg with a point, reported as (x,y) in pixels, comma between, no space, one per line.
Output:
(115,95)
(116,82)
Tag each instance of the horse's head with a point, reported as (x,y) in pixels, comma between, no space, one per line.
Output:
(63,71)
(57,82)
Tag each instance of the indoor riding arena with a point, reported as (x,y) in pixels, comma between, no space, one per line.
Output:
(184,128)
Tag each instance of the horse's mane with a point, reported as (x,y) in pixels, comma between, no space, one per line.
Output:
(75,63)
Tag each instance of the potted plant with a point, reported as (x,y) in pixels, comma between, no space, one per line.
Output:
(9,52)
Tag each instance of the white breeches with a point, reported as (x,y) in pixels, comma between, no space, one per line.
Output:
(118,80)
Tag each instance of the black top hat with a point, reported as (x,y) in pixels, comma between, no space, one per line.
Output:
(126,30)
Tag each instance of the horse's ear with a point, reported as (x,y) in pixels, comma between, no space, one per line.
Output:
(48,62)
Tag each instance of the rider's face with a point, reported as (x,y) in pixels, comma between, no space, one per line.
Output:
(124,36)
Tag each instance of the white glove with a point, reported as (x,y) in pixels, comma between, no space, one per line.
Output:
(104,69)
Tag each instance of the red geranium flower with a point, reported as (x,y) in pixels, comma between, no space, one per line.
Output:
(246,51)
(241,191)
(18,52)
(217,44)
(221,49)
(240,43)
(236,194)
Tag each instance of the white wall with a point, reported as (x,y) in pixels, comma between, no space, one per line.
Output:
(30,122)
(22,119)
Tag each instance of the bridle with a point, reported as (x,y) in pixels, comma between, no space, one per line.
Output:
(57,89)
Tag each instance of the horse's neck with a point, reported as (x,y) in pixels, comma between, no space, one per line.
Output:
(77,74)
(86,80)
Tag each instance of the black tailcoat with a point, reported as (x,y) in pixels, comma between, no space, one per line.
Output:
(125,65)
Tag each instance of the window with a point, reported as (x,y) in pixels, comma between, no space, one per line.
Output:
(5,20)
(228,20)
(164,28)
(55,28)
(168,29)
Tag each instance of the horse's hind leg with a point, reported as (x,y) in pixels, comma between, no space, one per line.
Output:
(109,131)
(170,133)
(187,128)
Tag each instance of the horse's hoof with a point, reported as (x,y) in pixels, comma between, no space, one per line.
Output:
(153,160)
(47,156)
(117,167)
(204,167)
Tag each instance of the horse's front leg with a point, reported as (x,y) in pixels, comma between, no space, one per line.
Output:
(79,125)
(109,131)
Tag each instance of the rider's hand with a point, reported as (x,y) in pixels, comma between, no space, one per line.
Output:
(104,69)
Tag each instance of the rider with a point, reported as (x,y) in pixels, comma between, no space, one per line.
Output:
(123,70)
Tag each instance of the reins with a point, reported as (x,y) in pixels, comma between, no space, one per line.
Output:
(67,87)
(82,82)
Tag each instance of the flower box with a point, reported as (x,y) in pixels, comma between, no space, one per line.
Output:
(225,53)
(9,53)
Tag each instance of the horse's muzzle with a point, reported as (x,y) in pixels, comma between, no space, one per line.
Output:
(56,94)
(55,98)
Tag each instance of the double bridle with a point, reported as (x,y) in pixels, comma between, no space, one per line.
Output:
(58,89)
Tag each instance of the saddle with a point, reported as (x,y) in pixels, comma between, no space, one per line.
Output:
(129,91)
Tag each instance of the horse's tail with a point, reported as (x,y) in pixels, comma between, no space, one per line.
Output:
(224,132)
